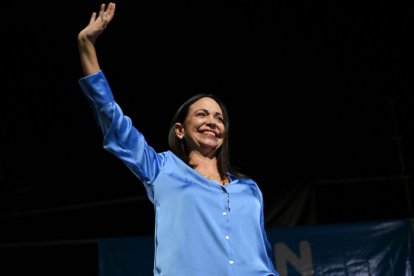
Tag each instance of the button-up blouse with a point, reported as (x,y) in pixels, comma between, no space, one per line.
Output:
(202,228)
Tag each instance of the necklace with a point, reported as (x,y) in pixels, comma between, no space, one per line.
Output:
(222,181)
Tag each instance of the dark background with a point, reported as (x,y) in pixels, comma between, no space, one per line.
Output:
(320,95)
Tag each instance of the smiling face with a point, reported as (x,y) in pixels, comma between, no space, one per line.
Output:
(203,128)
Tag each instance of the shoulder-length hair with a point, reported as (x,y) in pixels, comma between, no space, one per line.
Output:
(178,145)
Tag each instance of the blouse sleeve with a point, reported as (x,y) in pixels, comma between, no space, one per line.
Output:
(120,137)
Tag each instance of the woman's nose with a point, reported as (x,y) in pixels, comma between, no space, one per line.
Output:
(211,124)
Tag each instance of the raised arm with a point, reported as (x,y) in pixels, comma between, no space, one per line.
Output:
(87,38)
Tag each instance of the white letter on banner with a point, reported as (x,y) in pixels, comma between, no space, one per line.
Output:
(303,264)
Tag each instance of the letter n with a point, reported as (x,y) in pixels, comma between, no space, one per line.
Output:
(303,263)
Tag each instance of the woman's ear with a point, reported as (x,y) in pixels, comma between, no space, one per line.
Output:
(179,130)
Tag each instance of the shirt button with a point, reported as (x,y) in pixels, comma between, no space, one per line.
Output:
(224,213)
(231,262)
(227,237)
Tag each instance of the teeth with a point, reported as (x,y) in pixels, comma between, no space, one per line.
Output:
(209,133)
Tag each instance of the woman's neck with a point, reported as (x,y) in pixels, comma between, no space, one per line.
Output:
(207,167)
(202,163)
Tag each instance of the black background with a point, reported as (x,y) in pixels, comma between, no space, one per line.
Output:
(317,93)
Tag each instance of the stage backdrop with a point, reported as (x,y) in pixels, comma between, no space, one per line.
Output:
(372,248)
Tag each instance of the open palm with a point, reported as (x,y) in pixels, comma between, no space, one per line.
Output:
(98,22)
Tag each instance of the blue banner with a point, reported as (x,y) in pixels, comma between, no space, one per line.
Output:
(372,248)
(375,248)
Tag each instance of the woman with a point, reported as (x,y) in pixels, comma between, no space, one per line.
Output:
(208,217)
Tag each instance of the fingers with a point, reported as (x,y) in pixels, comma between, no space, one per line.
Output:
(108,13)
(93,17)
(102,11)
(111,9)
(104,15)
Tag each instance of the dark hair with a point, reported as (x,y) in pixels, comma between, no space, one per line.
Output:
(178,145)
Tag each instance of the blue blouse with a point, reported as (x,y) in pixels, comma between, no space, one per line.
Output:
(201,227)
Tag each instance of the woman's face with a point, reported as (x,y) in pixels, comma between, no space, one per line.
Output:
(203,128)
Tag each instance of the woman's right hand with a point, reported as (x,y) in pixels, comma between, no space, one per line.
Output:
(97,24)
(88,36)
